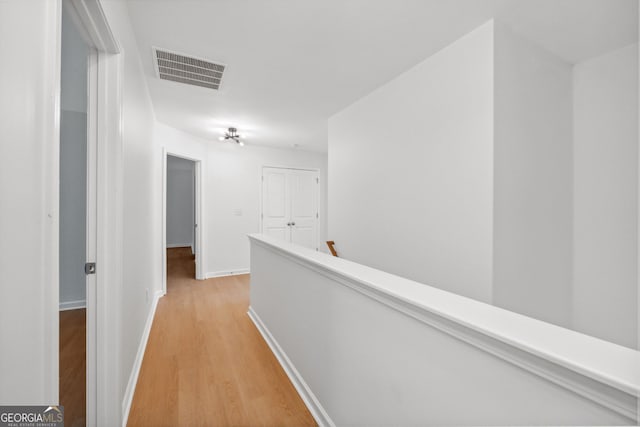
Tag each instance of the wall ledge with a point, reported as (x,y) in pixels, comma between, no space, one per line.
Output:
(606,373)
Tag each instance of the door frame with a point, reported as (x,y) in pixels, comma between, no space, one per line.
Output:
(104,211)
(199,213)
(317,171)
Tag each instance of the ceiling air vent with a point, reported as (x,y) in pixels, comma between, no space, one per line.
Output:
(188,70)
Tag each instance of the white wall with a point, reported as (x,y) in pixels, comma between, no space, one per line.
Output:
(420,221)
(29,224)
(73,165)
(73,187)
(142,195)
(73,75)
(411,171)
(232,182)
(606,196)
(370,356)
(533,180)
(180,202)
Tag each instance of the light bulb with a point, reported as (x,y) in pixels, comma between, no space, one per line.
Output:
(241,144)
(222,138)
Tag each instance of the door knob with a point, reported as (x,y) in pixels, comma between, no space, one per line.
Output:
(293,223)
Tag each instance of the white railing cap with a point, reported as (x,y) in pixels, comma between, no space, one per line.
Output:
(605,362)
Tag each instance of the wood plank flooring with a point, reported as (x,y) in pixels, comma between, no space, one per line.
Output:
(206,364)
(73,368)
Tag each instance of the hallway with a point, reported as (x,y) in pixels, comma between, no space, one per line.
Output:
(205,362)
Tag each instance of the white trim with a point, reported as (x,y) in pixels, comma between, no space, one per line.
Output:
(95,28)
(200,215)
(47,122)
(638,230)
(310,400)
(605,373)
(73,305)
(137,364)
(180,245)
(163,224)
(109,277)
(237,272)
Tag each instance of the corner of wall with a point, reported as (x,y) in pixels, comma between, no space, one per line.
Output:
(532,179)
(422,97)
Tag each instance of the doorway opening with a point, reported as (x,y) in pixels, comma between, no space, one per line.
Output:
(181,214)
(182,204)
(74,211)
(87,162)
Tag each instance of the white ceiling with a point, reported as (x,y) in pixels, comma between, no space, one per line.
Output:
(291,64)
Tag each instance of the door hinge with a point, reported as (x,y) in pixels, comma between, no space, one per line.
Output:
(317,180)
(262,178)
(317,215)
(90,268)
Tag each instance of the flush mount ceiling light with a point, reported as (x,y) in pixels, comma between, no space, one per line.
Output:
(232,135)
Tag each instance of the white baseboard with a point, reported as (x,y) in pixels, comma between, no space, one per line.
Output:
(180,245)
(137,364)
(227,273)
(73,305)
(309,399)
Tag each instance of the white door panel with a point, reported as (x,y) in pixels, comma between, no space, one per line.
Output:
(290,205)
(304,208)
(304,196)
(276,190)
(275,206)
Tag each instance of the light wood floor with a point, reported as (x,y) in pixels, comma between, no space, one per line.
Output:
(73,366)
(206,364)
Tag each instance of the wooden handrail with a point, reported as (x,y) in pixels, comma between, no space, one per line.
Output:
(330,243)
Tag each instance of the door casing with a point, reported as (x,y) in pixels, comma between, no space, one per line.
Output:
(104,211)
(199,213)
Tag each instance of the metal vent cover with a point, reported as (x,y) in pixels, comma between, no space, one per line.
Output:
(181,68)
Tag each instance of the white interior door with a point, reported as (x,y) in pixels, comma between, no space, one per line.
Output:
(275,206)
(290,205)
(304,208)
